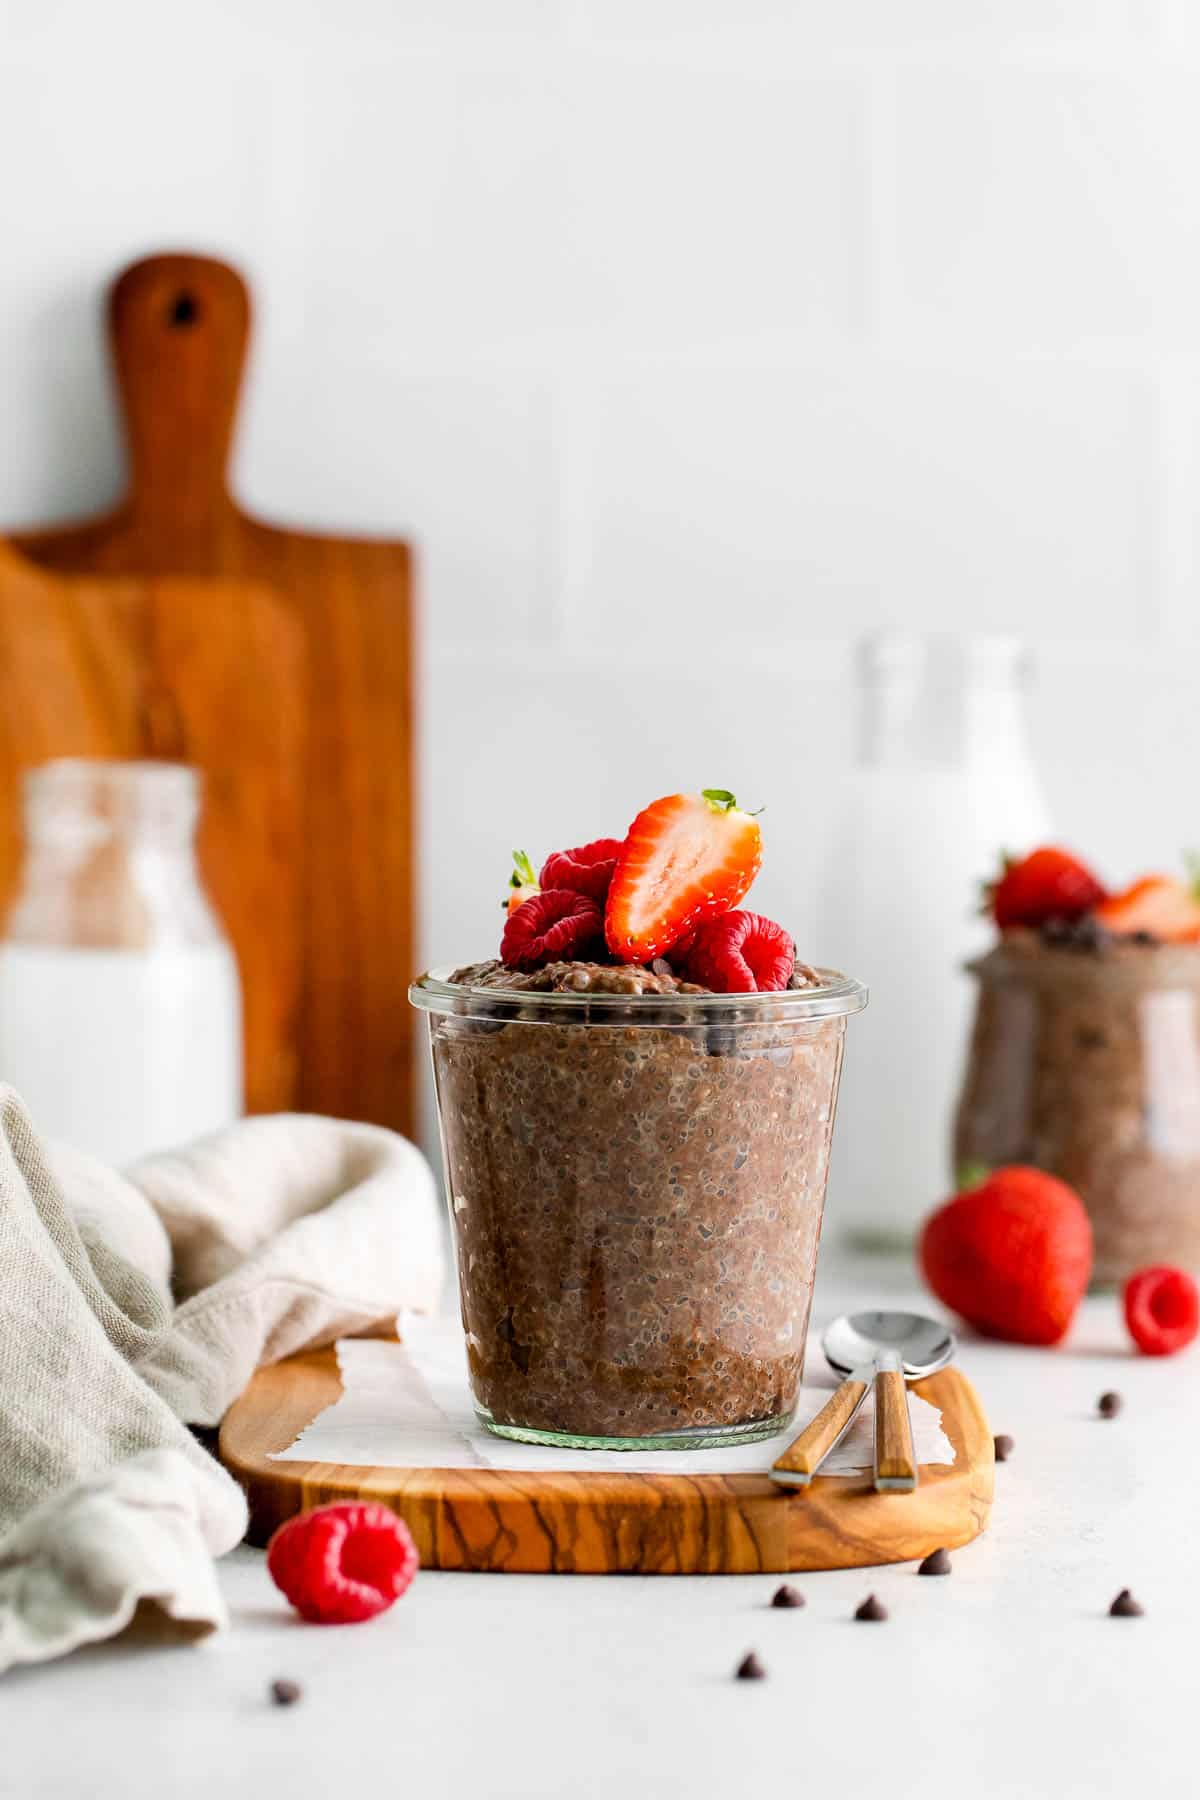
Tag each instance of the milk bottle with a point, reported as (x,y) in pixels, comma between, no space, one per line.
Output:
(944,783)
(120,1003)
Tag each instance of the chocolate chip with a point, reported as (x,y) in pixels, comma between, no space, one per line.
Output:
(1085,934)
(871,1609)
(1109,1405)
(787,1596)
(936,1563)
(286,1693)
(1125,1606)
(750,1669)
(1003,1446)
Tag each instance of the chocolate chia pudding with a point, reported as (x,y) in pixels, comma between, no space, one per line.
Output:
(636,1169)
(1085,1060)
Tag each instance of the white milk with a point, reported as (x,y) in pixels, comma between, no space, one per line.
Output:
(120,1052)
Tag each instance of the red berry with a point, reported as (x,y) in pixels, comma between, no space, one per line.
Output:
(342,1564)
(588,870)
(740,953)
(687,858)
(1162,1310)
(552,926)
(1012,1256)
(1047,884)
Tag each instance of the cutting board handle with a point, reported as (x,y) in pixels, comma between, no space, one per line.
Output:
(179,327)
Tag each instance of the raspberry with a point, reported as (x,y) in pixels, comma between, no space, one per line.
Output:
(1162,1310)
(588,870)
(342,1564)
(1013,1256)
(740,953)
(552,926)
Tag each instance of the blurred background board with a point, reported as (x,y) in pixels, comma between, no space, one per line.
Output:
(179,330)
(211,673)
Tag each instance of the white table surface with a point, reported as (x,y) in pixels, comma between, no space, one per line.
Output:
(1006,1678)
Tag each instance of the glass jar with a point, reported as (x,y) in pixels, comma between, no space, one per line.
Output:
(120,1005)
(1086,1062)
(636,1186)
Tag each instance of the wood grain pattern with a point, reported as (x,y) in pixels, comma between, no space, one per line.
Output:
(804,1457)
(179,327)
(481,1519)
(211,673)
(895,1461)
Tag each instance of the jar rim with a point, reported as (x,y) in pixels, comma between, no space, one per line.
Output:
(837,997)
(1132,967)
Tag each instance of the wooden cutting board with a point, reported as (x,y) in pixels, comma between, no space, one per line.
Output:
(206,672)
(581,1524)
(179,328)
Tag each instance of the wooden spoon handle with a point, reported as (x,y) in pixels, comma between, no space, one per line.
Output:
(802,1458)
(895,1461)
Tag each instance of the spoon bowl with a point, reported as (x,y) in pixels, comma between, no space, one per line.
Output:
(923,1345)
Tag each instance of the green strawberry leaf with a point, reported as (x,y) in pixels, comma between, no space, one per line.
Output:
(523,874)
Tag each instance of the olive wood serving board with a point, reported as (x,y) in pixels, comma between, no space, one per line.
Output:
(597,1524)
(179,327)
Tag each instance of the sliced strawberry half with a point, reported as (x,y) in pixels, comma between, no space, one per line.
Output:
(522,883)
(687,858)
(588,870)
(1049,883)
(1158,905)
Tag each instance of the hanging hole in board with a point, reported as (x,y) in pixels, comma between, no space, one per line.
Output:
(183,311)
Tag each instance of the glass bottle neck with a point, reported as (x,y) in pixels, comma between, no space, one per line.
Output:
(940,704)
(110,859)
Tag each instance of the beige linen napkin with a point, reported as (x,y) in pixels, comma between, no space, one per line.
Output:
(136,1304)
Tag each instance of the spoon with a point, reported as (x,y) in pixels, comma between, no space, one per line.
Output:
(883,1349)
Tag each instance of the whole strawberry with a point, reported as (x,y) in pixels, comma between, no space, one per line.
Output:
(1012,1256)
(1047,884)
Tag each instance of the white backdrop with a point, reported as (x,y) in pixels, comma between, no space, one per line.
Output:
(688,339)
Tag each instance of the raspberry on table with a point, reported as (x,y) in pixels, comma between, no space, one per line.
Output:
(342,1564)
(1162,1310)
